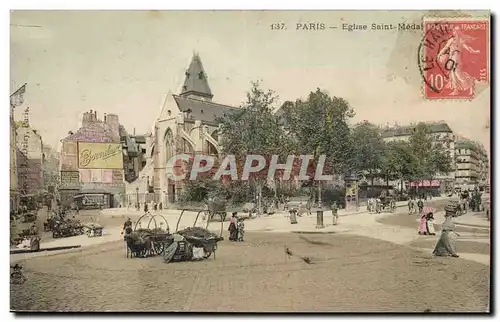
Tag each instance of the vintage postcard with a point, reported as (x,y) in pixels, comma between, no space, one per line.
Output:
(250,161)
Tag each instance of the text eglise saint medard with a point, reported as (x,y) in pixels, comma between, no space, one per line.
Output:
(86,156)
(404,26)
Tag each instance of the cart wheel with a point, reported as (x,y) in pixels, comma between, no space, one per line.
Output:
(207,255)
(158,248)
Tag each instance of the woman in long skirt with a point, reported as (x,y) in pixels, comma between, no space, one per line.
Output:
(422,227)
(233,230)
(430,224)
(444,245)
(428,227)
(293,216)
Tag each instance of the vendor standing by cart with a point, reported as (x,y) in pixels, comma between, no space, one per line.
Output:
(127,227)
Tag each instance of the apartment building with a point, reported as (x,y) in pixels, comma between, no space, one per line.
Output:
(471,163)
(442,133)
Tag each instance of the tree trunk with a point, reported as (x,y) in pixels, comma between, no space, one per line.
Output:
(259,200)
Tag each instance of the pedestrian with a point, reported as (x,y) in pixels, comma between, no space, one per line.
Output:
(145,207)
(161,206)
(293,216)
(422,227)
(420,205)
(410,206)
(155,207)
(430,224)
(378,205)
(335,213)
(444,246)
(241,229)
(233,230)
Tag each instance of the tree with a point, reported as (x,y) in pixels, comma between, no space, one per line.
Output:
(254,129)
(319,126)
(398,162)
(430,155)
(368,149)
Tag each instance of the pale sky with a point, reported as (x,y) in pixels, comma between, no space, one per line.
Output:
(124,62)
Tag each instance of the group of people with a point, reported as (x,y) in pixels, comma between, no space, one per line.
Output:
(374,205)
(236,228)
(415,205)
(155,206)
(426,226)
(444,246)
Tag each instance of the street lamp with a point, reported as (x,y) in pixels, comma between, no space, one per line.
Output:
(137,198)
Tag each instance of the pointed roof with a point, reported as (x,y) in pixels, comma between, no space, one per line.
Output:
(196,82)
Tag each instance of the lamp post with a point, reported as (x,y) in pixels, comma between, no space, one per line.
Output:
(319,211)
(137,198)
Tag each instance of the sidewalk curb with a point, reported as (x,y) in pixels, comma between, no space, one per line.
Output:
(319,232)
(472,225)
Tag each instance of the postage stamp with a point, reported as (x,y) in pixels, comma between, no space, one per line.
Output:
(453,57)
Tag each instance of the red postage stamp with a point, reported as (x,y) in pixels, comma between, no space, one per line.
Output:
(454,57)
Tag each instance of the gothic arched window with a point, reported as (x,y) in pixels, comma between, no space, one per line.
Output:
(168,140)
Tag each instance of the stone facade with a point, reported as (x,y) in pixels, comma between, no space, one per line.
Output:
(105,185)
(30,145)
(186,124)
(441,132)
(472,163)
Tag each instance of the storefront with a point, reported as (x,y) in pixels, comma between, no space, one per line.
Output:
(94,200)
(426,186)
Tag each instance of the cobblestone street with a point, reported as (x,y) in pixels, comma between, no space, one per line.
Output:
(347,274)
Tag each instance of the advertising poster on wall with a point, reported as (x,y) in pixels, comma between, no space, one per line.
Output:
(69,156)
(117,176)
(100,155)
(84,175)
(96,175)
(107,176)
(70,179)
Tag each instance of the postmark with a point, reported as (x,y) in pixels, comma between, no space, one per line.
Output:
(454,57)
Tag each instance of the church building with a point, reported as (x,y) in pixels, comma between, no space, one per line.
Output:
(186,124)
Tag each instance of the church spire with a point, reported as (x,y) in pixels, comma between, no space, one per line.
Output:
(196,83)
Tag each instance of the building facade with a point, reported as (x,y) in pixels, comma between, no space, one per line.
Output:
(30,143)
(186,124)
(472,164)
(14,193)
(91,163)
(443,134)
(50,168)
